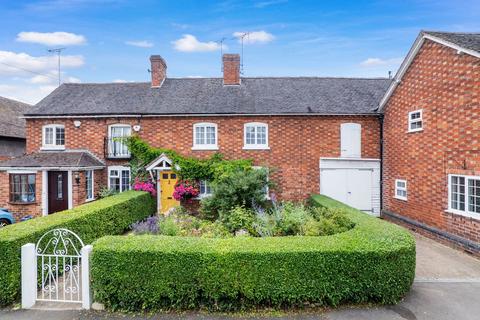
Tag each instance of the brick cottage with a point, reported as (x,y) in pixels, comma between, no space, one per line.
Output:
(318,134)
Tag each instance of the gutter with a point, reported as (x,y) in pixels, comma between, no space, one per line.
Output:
(80,116)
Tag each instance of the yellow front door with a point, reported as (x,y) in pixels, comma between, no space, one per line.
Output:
(168,179)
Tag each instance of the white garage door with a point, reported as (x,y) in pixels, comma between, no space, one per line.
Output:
(354,182)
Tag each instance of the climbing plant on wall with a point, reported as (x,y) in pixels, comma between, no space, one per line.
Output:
(188,168)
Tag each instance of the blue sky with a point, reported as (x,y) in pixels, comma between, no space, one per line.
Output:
(111,40)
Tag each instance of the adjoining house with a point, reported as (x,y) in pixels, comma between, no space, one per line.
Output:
(12,128)
(325,135)
(308,129)
(431,134)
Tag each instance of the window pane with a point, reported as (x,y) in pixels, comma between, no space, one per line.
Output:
(199,135)
(125,180)
(474,195)
(211,135)
(250,135)
(59,186)
(89,184)
(22,187)
(48,136)
(457,188)
(60,136)
(261,135)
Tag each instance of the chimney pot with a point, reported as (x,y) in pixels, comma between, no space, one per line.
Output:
(231,69)
(158,70)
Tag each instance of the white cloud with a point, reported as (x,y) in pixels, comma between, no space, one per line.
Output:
(121,81)
(140,43)
(254,37)
(189,43)
(29,94)
(52,38)
(263,4)
(377,62)
(12,63)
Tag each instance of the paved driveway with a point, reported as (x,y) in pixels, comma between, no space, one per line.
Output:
(447,286)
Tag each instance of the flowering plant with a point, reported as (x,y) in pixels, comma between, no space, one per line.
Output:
(144,186)
(185,190)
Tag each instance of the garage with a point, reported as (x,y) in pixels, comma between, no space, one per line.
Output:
(355,182)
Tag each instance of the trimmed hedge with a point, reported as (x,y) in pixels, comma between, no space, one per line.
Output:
(373,262)
(112,215)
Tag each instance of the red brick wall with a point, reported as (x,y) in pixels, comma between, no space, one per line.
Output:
(296,143)
(446,85)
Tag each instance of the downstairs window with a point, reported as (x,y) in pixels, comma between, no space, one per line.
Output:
(22,187)
(464,195)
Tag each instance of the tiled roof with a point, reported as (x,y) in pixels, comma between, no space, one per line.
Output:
(65,159)
(209,96)
(470,41)
(11,125)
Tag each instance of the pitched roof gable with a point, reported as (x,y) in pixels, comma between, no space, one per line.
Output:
(208,96)
(468,43)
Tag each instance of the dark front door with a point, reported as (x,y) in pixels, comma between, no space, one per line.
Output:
(57,191)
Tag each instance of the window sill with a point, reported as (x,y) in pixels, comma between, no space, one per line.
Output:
(256,148)
(52,148)
(202,197)
(197,148)
(416,130)
(400,198)
(21,203)
(465,214)
(89,200)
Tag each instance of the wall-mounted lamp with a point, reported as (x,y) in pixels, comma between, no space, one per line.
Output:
(77,178)
(136,128)
(77,123)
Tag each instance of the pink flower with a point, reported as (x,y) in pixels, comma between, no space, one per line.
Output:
(147,186)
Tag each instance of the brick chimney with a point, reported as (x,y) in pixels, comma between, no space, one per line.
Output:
(158,70)
(231,69)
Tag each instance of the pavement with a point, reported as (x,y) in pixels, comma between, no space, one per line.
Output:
(447,286)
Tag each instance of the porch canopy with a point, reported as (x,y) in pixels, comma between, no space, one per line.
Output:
(66,160)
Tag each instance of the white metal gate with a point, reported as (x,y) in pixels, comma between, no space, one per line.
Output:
(60,263)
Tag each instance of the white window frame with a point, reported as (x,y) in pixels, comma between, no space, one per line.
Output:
(92,181)
(410,120)
(205,194)
(256,145)
(120,169)
(110,141)
(397,188)
(205,146)
(53,145)
(466,212)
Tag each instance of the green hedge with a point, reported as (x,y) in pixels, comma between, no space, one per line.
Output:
(373,262)
(112,215)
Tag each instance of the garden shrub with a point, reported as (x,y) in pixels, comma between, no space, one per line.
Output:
(109,216)
(237,219)
(372,262)
(238,188)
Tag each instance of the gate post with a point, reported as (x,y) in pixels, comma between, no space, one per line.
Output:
(29,276)
(86,293)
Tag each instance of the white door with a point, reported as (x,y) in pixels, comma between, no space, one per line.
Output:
(350,186)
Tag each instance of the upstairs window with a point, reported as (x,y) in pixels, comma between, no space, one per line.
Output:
(119,178)
(53,136)
(255,136)
(415,121)
(401,189)
(116,146)
(205,136)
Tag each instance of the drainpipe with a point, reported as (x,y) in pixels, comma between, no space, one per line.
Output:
(381,163)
